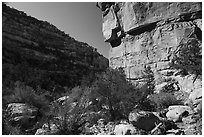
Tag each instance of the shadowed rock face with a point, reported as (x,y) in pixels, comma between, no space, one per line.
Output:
(147,34)
(44,47)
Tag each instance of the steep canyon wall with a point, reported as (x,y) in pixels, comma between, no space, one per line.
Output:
(145,34)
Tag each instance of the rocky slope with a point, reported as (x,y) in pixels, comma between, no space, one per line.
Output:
(40,46)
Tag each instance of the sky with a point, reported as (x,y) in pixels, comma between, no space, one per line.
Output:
(81,20)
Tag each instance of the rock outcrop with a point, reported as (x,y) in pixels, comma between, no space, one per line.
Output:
(165,36)
(45,48)
(147,34)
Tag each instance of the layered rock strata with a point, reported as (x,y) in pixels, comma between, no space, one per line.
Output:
(147,34)
(44,47)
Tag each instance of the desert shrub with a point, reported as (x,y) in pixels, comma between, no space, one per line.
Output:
(163,100)
(26,94)
(114,93)
(110,94)
(71,114)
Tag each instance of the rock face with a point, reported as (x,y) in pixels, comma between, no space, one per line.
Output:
(147,33)
(45,48)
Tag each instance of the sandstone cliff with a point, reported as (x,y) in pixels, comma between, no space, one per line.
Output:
(148,34)
(39,45)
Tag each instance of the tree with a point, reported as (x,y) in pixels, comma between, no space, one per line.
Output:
(115,93)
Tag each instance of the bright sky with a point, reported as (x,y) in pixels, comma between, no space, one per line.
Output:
(81,20)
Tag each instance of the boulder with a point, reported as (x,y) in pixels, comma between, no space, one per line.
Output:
(21,114)
(46,131)
(143,120)
(177,112)
(124,129)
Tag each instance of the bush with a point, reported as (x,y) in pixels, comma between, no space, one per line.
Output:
(110,94)
(115,94)
(71,113)
(163,100)
(25,94)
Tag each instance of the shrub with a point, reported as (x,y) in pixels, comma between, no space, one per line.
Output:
(25,94)
(71,114)
(110,93)
(163,100)
(115,94)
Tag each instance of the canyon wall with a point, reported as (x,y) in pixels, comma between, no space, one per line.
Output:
(29,44)
(145,34)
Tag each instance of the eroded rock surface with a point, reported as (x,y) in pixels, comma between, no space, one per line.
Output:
(148,33)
